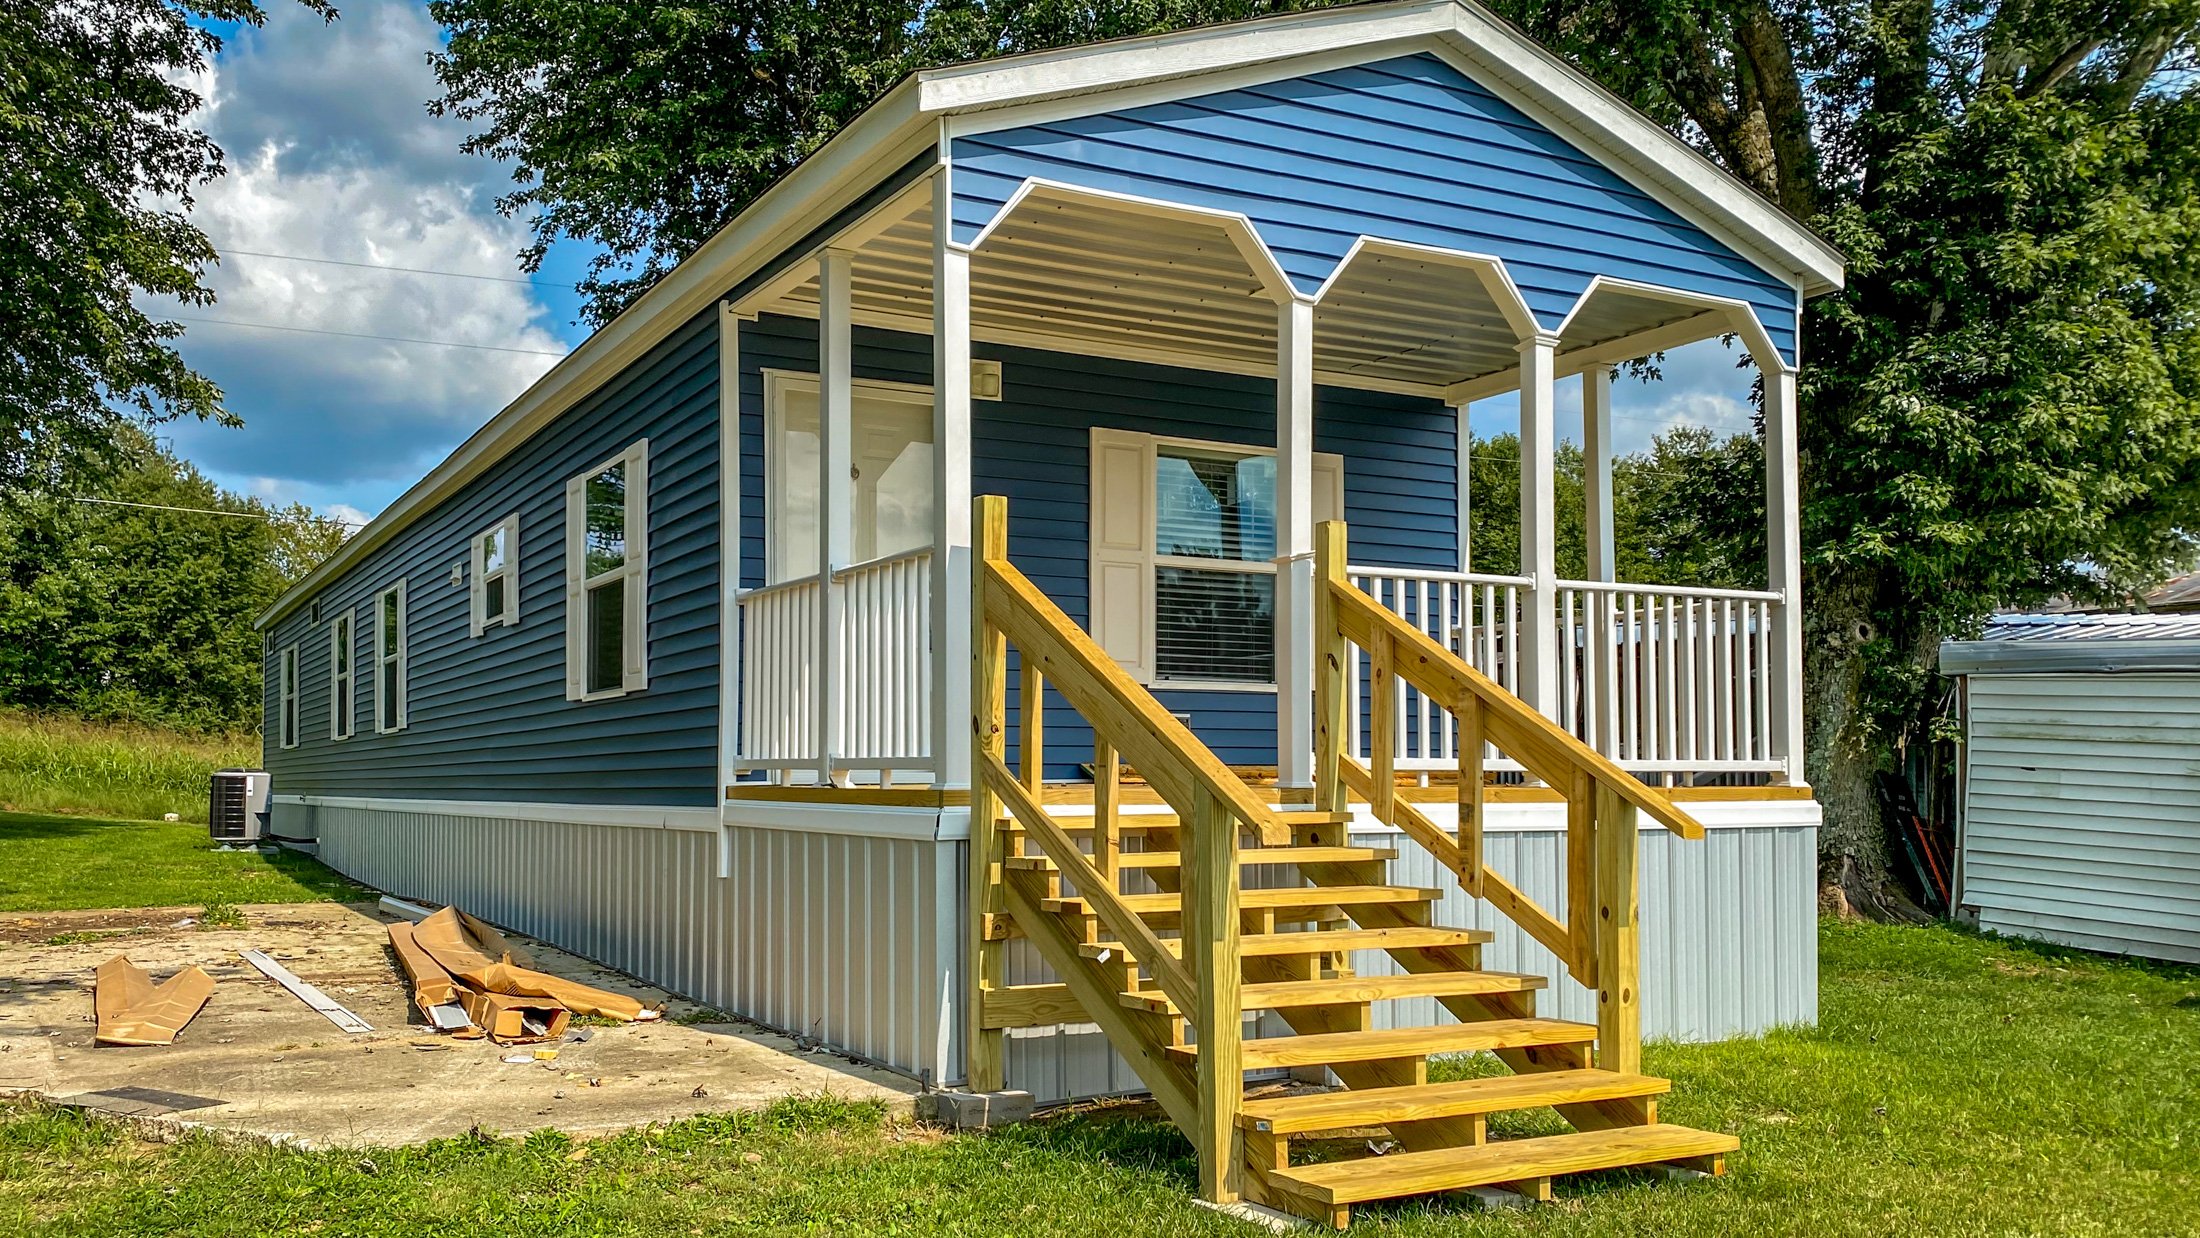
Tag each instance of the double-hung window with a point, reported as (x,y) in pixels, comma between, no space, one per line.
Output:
(340,651)
(389,659)
(1183,584)
(286,711)
(495,592)
(607,577)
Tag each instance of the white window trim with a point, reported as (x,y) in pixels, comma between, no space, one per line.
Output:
(778,385)
(342,630)
(634,671)
(288,719)
(402,657)
(479,575)
(1328,471)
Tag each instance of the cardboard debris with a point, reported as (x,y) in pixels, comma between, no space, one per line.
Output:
(434,992)
(512,1019)
(132,1010)
(478,957)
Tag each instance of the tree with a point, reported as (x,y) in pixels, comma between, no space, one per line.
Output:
(1998,408)
(99,156)
(128,589)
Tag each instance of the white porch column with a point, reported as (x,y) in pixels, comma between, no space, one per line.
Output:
(952,496)
(1596,459)
(835,437)
(1539,522)
(1295,544)
(1784,566)
(1466,489)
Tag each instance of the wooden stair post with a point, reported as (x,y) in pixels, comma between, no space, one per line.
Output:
(1619,949)
(1210,927)
(985,1062)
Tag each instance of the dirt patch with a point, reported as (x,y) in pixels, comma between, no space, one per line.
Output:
(282,1070)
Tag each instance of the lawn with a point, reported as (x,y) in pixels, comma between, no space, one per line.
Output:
(51,763)
(1956,1086)
(65,863)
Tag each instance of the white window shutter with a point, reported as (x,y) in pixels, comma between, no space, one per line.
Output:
(1121,583)
(511,570)
(1328,487)
(634,675)
(575,621)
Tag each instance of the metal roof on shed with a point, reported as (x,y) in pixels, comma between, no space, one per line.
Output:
(2018,644)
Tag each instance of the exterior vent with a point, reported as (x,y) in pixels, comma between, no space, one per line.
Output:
(236,810)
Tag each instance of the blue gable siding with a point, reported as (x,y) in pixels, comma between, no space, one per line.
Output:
(1408,150)
(1400,466)
(488,718)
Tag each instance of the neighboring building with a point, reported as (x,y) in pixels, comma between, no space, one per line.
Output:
(2079,782)
(674,663)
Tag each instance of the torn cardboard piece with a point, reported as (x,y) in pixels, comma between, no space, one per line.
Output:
(451,938)
(132,1010)
(434,991)
(512,1019)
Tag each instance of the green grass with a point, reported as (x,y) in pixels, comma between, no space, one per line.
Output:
(62,863)
(1956,1086)
(51,763)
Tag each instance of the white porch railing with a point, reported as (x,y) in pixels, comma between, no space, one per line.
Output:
(1659,679)
(1475,616)
(1667,678)
(882,721)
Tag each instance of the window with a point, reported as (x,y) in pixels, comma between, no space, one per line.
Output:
(286,725)
(890,489)
(1184,555)
(389,659)
(340,653)
(607,576)
(496,576)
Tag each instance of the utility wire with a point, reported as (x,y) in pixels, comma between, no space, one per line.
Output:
(209,511)
(377,266)
(362,335)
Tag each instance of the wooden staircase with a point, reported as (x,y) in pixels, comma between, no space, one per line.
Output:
(1147,920)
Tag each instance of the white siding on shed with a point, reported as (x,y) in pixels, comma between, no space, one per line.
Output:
(2082,815)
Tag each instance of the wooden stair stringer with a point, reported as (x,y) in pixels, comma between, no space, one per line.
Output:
(1470,1008)
(1174,1086)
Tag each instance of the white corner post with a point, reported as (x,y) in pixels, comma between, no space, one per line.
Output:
(1596,458)
(730,667)
(835,435)
(1784,567)
(1295,544)
(952,495)
(1466,489)
(1539,522)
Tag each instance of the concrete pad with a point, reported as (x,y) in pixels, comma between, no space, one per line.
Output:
(284,1071)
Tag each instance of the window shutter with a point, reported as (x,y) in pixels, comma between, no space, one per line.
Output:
(1121,519)
(1328,487)
(635,672)
(575,621)
(511,570)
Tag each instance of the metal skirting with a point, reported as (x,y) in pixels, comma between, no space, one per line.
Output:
(856,941)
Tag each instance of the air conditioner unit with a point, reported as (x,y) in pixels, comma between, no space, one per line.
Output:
(236,810)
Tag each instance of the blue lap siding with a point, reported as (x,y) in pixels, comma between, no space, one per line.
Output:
(1407,149)
(1400,469)
(488,718)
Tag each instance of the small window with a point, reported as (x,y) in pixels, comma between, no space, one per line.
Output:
(340,652)
(286,724)
(607,577)
(389,659)
(496,576)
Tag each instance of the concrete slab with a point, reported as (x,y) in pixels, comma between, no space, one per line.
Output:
(283,1071)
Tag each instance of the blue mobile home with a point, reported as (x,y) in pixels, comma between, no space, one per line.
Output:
(704,658)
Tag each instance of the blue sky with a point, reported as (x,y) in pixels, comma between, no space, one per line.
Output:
(333,157)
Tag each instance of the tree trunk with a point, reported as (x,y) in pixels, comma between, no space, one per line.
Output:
(1840,752)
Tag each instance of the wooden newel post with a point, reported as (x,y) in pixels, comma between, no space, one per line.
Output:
(1330,652)
(1618,948)
(986,1064)
(1211,955)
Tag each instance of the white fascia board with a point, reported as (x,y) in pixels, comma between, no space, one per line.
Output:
(883,138)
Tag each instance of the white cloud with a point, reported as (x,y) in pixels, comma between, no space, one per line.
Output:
(332,155)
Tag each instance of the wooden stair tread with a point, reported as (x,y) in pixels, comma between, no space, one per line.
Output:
(1322,1111)
(1139,822)
(1355,990)
(1248,857)
(1271,899)
(1328,1048)
(1272,945)
(1507,1160)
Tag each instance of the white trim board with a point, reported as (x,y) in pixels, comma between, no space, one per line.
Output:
(638,816)
(1774,814)
(859,821)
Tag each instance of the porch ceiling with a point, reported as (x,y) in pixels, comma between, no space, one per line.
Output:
(1087,276)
